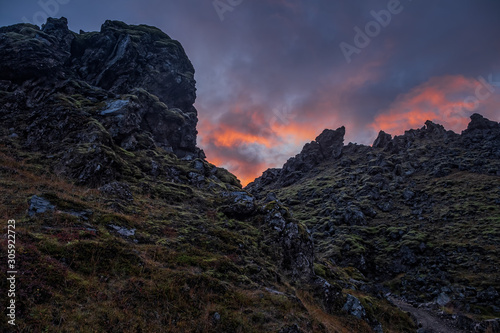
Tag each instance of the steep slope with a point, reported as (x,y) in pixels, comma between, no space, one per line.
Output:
(417,215)
(121,224)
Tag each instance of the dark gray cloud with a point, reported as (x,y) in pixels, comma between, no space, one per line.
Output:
(271,74)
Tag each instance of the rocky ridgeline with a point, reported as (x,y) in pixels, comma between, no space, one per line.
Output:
(477,149)
(416,214)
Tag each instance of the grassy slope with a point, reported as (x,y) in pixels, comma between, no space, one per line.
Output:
(185,262)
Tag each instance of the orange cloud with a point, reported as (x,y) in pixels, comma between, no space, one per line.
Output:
(249,138)
(228,146)
(445,100)
(247,155)
(252,132)
(228,137)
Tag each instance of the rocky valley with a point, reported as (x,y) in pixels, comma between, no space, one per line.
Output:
(123,226)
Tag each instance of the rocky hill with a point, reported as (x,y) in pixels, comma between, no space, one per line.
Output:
(417,215)
(122,225)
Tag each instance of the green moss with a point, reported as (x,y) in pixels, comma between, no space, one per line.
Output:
(172,192)
(355,243)
(227,177)
(354,273)
(173,115)
(387,315)
(320,270)
(152,31)
(115,219)
(165,43)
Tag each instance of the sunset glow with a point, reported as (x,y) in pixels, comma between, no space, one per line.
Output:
(267,139)
(443,100)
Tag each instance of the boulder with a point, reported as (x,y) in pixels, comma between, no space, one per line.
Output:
(443,299)
(238,203)
(331,142)
(39,205)
(354,307)
(478,122)
(382,140)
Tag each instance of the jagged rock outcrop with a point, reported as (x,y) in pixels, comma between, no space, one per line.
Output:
(136,57)
(118,59)
(295,241)
(480,139)
(478,122)
(328,145)
(411,211)
(382,140)
(331,142)
(129,87)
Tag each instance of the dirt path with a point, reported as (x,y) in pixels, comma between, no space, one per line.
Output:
(426,319)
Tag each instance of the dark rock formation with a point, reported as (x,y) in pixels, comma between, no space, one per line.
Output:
(404,206)
(331,142)
(382,140)
(295,241)
(354,307)
(481,137)
(238,203)
(39,205)
(122,57)
(478,122)
(126,86)
(328,145)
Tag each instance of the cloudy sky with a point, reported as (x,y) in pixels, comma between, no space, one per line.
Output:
(272,74)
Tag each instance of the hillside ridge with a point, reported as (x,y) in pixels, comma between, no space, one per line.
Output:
(330,145)
(122,225)
(417,215)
